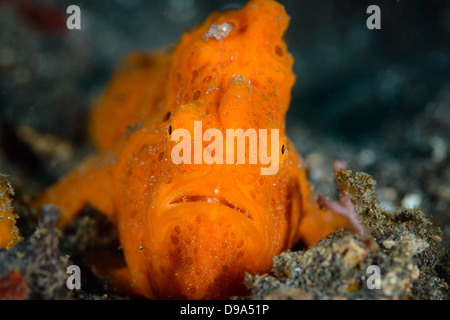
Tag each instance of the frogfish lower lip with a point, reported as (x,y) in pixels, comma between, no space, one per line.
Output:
(209,199)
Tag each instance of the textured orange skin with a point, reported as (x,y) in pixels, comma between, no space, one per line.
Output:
(197,249)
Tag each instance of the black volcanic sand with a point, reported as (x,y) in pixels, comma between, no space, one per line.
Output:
(379,100)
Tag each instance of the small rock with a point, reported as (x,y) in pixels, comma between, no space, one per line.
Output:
(412,200)
(439,149)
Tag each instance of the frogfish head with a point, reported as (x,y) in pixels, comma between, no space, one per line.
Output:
(204,237)
(210,224)
(212,220)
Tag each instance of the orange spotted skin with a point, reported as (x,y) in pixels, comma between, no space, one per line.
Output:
(193,230)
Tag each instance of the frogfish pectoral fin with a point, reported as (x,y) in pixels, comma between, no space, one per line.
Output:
(82,187)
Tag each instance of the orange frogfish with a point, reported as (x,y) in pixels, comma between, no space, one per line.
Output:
(193,230)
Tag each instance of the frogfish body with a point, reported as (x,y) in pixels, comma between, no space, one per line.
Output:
(194,230)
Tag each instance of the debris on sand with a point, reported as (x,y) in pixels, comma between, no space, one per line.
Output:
(404,244)
(38,261)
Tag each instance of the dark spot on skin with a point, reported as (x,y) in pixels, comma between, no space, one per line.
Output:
(283,149)
(174,239)
(279,51)
(197,95)
(194,74)
(170,129)
(242,28)
(167,116)
(161,156)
